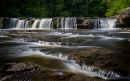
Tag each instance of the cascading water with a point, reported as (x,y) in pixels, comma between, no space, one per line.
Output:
(68,23)
(104,24)
(107,24)
(112,23)
(35,24)
(20,24)
(97,23)
(45,23)
(63,23)
(26,24)
(101,73)
(13,22)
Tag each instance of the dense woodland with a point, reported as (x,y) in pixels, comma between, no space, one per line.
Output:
(66,8)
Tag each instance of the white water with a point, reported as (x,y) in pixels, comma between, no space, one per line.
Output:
(112,23)
(45,23)
(26,24)
(35,24)
(72,66)
(68,23)
(20,24)
(105,24)
(63,23)
(90,70)
(44,43)
(13,22)
(108,24)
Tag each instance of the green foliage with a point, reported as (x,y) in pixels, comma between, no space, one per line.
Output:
(116,6)
(55,8)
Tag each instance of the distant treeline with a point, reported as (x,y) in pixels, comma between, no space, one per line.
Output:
(66,8)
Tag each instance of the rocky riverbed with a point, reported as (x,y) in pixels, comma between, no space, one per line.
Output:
(65,55)
(34,72)
(103,58)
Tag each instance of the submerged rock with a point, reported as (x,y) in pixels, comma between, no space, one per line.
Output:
(104,58)
(26,72)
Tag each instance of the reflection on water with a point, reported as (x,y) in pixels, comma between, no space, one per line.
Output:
(51,48)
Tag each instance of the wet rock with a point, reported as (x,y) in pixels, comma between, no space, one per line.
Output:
(16,71)
(104,58)
(78,78)
(23,72)
(56,23)
(50,75)
(20,67)
(1,23)
(5,23)
(124,18)
(85,23)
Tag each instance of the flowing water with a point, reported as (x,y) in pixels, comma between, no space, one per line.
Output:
(35,24)
(45,23)
(68,23)
(41,23)
(57,44)
(105,24)
(13,22)
(20,24)
(52,47)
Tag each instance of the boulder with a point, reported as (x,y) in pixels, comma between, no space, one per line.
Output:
(85,22)
(124,18)
(104,58)
(34,72)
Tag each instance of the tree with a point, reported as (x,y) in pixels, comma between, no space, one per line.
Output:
(55,8)
(116,6)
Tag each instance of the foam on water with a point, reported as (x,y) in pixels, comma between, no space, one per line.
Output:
(56,45)
(124,32)
(74,67)
(105,24)
(116,38)
(91,71)
(70,35)
(35,24)
(31,52)
(44,43)
(2,36)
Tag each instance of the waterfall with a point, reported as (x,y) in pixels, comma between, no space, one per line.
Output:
(20,24)
(105,74)
(97,23)
(107,24)
(13,22)
(63,23)
(26,24)
(68,23)
(45,23)
(35,24)
(104,24)
(112,23)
